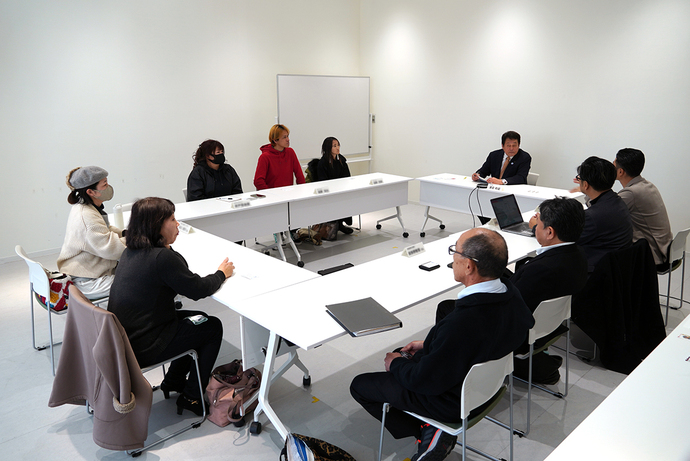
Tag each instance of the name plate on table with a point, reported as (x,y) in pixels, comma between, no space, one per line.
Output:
(321,190)
(414,250)
(376,181)
(495,187)
(241,204)
(184,227)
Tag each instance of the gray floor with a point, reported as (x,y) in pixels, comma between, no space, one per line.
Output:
(31,430)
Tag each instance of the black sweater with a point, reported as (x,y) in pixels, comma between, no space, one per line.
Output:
(482,327)
(143,297)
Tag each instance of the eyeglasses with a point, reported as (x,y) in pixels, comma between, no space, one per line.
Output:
(578,178)
(452,251)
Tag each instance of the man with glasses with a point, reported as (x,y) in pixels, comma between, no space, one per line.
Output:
(490,320)
(607,220)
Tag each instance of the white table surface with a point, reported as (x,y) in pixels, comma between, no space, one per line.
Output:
(255,272)
(645,417)
(451,192)
(345,197)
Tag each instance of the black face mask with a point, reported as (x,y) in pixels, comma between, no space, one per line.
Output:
(218,159)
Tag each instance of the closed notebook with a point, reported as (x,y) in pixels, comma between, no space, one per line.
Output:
(363,317)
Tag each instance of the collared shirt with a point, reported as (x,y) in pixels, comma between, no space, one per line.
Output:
(547,248)
(490,286)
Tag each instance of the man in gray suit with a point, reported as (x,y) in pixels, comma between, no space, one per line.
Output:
(647,209)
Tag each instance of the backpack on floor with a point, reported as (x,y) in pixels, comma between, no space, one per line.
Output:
(302,448)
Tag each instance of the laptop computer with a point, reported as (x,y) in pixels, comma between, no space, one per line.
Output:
(509,217)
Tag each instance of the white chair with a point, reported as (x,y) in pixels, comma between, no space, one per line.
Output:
(532,178)
(484,384)
(676,252)
(184,192)
(548,316)
(39,286)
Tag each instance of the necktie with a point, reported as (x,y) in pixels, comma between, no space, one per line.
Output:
(503,168)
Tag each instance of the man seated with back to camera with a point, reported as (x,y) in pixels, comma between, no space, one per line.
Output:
(607,220)
(647,209)
(509,165)
(489,320)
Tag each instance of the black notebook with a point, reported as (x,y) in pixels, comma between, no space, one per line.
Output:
(363,317)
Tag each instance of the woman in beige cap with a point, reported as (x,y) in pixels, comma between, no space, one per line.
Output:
(92,246)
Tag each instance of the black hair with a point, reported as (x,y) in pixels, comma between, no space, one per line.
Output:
(631,161)
(490,253)
(510,135)
(146,222)
(565,215)
(327,148)
(207,147)
(598,172)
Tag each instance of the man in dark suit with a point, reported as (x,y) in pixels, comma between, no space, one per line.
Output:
(559,269)
(509,165)
(608,225)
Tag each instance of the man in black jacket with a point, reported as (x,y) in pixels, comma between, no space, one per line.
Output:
(509,165)
(559,269)
(490,320)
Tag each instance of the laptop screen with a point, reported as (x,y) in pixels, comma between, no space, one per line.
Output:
(506,210)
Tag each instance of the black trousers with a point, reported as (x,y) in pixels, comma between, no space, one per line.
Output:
(371,390)
(205,339)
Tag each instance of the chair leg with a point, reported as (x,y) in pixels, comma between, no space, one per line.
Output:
(50,327)
(193,425)
(383,425)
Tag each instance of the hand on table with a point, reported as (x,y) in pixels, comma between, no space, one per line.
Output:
(495,181)
(227,267)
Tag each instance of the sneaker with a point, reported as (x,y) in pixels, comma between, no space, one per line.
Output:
(434,444)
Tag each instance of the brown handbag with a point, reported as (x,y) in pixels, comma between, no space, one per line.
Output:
(228,389)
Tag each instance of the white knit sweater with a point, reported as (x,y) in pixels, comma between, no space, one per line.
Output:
(91,248)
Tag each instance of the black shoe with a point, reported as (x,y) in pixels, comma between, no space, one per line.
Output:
(191,404)
(168,387)
(549,380)
(434,444)
(344,229)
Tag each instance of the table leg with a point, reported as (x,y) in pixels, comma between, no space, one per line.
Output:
(427,217)
(398,215)
(264,406)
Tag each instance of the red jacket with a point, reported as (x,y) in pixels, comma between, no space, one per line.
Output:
(275,168)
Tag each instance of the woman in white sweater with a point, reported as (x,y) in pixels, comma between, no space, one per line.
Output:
(92,246)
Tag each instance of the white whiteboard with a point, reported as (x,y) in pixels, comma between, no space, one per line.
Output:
(314,107)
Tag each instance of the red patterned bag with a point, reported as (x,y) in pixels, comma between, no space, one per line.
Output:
(59,291)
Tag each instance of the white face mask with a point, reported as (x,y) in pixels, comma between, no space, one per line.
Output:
(105,194)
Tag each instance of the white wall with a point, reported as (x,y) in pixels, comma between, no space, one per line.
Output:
(135,86)
(573,78)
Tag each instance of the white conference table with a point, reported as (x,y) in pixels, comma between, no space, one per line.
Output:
(453,192)
(645,417)
(255,273)
(298,313)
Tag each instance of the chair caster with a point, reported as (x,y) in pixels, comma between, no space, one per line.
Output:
(300,263)
(306,382)
(255,428)
(267,253)
(136,454)
(442,226)
(378,226)
(422,234)
(405,235)
(239,423)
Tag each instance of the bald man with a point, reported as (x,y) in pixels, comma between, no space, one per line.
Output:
(489,321)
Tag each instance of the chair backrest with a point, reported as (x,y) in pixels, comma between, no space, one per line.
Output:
(37,274)
(532,178)
(482,382)
(184,192)
(548,316)
(677,246)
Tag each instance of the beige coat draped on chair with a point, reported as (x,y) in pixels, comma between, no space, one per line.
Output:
(97,365)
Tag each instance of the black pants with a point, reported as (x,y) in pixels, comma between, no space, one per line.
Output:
(205,339)
(371,390)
